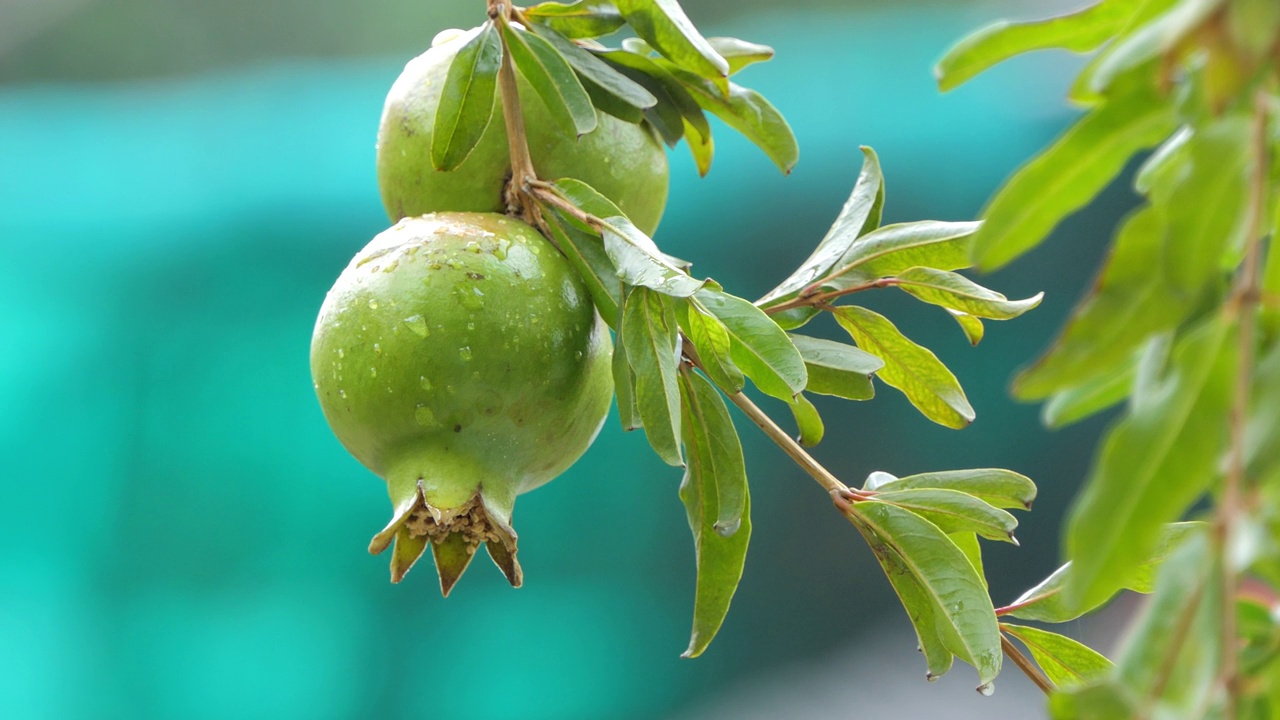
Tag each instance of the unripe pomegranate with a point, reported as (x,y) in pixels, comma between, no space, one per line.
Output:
(459,357)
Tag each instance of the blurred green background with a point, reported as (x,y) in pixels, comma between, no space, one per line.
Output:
(181,536)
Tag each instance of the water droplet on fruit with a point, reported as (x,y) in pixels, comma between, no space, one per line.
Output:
(465,353)
(424,382)
(373,304)
(340,354)
(377,350)
(342,394)
(417,324)
(425,416)
(577,355)
(373,372)
(471,326)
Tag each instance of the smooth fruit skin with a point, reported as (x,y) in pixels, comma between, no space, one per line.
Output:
(621,160)
(459,357)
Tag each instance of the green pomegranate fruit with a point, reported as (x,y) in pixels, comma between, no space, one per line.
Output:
(621,160)
(459,357)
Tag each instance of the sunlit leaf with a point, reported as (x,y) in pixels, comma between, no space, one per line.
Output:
(837,369)
(760,348)
(1066,176)
(467,99)
(1127,304)
(954,511)
(740,53)
(957,292)
(664,25)
(1079,32)
(649,333)
(714,492)
(963,617)
(860,215)
(1066,662)
(1074,404)
(1152,466)
(808,421)
(713,344)
(582,19)
(640,263)
(909,367)
(1001,488)
(972,327)
(891,249)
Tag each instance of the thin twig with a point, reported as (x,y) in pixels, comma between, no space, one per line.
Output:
(1247,299)
(829,482)
(817,299)
(522,171)
(1024,664)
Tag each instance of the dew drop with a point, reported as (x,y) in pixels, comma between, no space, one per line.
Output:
(377,349)
(465,353)
(373,372)
(417,324)
(577,355)
(342,394)
(987,689)
(373,304)
(471,326)
(425,416)
(424,382)
(340,353)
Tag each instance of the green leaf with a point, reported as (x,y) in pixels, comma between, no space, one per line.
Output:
(746,111)
(1152,466)
(552,80)
(1150,40)
(957,292)
(1103,701)
(1172,657)
(910,368)
(1066,176)
(916,600)
(889,250)
(1126,305)
(962,612)
(583,19)
(1080,32)
(1001,488)
(649,335)
(663,24)
(640,263)
(467,99)
(586,199)
(968,544)
(713,344)
(1093,396)
(715,495)
(808,421)
(759,347)
(624,385)
(1045,603)
(837,369)
(1206,209)
(587,256)
(702,147)
(954,512)
(1262,432)
(860,215)
(740,53)
(675,105)
(594,71)
(971,326)
(1166,159)
(1066,662)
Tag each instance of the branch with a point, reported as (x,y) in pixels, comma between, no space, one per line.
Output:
(522,172)
(818,299)
(1024,664)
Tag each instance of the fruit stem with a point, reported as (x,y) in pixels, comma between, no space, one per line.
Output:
(522,172)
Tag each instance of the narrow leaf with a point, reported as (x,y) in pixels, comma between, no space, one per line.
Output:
(1152,466)
(1074,404)
(808,421)
(1066,176)
(1066,662)
(963,616)
(650,334)
(889,250)
(713,344)
(954,511)
(587,199)
(916,600)
(715,495)
(860,215)
(701,146)
(1001,488)
(1150,40)
(968,544)
(1045,602)
(910,368)
(1080,32)
(1126,305)
(467,99)
(624,382)
(586,253)
(760,348)
(553,80)
(972,327)
(837,369)
(664,25)
(582,19)
(957,292)
(740,53)
(675,105)
(596,71)
(748,112)
(640,263)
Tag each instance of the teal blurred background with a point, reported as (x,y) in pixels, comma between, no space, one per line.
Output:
(181,536)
